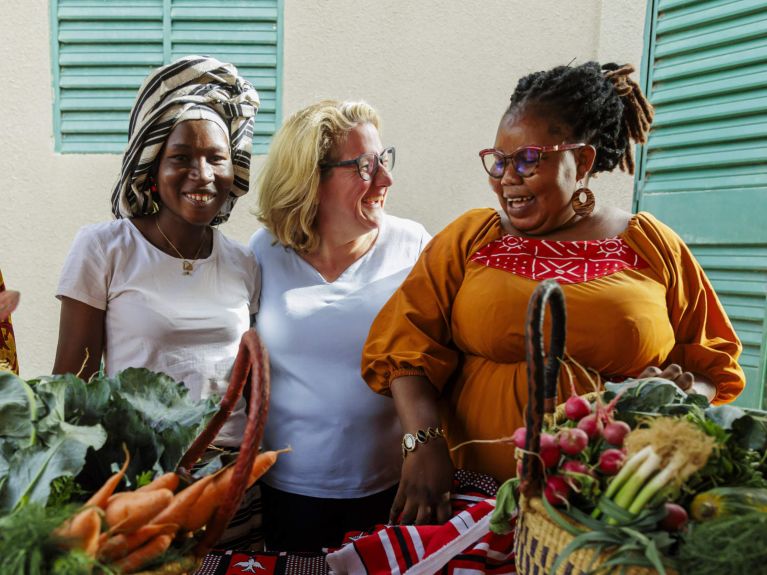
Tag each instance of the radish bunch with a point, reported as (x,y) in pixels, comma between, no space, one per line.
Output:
(580,455)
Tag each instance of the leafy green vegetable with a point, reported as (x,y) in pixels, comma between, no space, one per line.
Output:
(32,469)
(505,506)
(17,408)
(62,427)
(28,545)
(727,545)
(65,489)
(651,397)
(154,417)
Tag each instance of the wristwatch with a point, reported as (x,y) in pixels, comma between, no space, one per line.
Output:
(410,441)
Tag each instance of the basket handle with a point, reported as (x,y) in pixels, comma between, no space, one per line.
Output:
(252,362)
(542,376)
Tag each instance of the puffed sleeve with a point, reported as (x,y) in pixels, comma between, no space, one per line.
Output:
(706,342)
(85,274)
(412,333)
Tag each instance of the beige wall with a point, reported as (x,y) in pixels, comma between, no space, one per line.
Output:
(440,73)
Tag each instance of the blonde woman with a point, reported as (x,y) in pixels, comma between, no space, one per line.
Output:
(330,258)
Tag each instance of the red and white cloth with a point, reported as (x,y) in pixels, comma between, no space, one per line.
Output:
(462,546)
(568,262)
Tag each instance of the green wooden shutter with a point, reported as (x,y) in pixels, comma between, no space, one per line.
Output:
(704,169)
(103,49)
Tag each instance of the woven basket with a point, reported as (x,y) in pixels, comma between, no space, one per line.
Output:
(250,374)
(539,540)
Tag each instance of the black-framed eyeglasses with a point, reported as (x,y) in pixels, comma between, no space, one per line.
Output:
(524,160)
(367,164)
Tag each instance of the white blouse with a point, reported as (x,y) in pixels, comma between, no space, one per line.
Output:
(187,326)
(345,438)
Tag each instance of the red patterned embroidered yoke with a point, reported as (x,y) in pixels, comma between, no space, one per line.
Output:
(565,261)
(459,319)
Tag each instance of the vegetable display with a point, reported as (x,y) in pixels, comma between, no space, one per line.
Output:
(61,433)
(74,503)
(652,476)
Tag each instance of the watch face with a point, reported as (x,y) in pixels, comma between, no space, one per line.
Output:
(409,442)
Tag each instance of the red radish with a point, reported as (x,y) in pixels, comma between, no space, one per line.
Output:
(575,466)
(591,425)
(576,408)
(556,490)
(549,450)
(572,440)
(519,436)
(611,461)
(615,432)
(675,519)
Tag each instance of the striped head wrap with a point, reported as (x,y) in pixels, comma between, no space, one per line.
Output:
(193,87)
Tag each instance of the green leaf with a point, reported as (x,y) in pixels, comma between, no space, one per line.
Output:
(17,406)
(505,507)
(33,469)
(154,416)
(724,415)
(750,433)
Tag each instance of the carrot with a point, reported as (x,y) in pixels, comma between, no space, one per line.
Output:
(182,503)
(203,510)
(101,497)
(144,554)
(263,462)
(119,546)
(83,530)
(165,481)
(214,493)
(131,510)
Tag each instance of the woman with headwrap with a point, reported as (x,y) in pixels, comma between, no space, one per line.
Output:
(160,287)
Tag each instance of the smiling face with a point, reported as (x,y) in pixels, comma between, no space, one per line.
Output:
(195,173)
(350,206)
(540,203)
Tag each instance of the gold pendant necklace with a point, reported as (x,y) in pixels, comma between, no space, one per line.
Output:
(187,266)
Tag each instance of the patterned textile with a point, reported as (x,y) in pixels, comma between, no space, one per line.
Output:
(193,87)
(7,340)
(569,262)
(265,563)
(463,545)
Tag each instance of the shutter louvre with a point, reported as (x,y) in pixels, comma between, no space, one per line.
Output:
(105,48)
(704,168)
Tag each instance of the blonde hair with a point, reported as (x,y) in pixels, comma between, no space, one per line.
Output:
(288,184)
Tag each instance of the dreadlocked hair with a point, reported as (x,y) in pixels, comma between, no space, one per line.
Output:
(600,105)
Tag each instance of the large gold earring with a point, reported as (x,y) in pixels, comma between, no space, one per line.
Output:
(583,207)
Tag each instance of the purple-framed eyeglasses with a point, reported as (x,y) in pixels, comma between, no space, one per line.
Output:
(524,160)
(367,164)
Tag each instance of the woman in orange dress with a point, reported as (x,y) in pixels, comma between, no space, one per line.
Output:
(449,345)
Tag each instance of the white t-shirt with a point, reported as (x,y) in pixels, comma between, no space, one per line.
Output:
(187,326)
(345,438)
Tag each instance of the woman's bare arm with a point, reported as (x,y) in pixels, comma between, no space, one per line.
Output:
(81,339)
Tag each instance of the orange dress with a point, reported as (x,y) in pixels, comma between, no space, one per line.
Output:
(461,324)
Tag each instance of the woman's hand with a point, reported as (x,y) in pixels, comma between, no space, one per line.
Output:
(427,473)
(685,380)
(9,299)
(423,496)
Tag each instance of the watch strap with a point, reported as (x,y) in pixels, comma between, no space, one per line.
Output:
(410,441)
